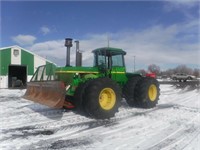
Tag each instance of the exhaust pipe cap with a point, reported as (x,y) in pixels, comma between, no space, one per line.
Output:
(68,42)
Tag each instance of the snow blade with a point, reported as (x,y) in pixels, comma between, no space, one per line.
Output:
(49,93)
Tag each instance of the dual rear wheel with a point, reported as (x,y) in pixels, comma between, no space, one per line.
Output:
(100,98)
(142,92)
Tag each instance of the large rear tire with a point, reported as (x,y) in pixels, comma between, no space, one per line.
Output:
(147,92)
(129,91)
(102,98)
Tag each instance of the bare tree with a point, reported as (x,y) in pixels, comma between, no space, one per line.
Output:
(154,69)
(196,72)
(168,72)
(183,69)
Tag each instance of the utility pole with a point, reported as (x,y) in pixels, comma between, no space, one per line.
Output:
(134,62)
(108,40)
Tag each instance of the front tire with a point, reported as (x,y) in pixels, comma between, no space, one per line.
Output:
(102,98)
(78,95)
(147,92)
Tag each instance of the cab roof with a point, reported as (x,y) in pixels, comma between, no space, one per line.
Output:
(109,51)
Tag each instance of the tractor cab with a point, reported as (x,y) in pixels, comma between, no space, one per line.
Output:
(110,61)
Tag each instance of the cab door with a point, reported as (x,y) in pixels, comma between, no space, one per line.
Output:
(118,74)
(118,70)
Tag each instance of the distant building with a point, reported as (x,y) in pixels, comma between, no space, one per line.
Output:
(17,63)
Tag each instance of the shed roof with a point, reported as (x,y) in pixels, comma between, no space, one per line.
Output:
(16,46)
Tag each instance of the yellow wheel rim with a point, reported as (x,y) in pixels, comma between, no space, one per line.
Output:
(152,92)
(107,98)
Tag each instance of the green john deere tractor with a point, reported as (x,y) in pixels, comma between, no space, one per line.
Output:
(97,91)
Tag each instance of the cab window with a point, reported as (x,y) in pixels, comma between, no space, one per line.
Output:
(117,60)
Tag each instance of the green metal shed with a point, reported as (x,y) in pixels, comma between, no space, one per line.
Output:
(17,63)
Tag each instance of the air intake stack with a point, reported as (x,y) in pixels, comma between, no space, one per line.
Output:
(68,44)
(78,55)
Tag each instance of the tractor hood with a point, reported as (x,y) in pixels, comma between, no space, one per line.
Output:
(67,74)
(65,70)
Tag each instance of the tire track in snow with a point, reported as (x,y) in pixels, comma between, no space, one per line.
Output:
(90,125)
(93,126)
(136,128)
(87,127)
(181,134)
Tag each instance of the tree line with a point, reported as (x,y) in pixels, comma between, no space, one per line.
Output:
(153,68)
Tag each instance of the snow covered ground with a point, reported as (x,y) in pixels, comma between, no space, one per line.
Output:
(173,124)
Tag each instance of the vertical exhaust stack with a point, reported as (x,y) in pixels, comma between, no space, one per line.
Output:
(68,44)
(78,55)
(77,51)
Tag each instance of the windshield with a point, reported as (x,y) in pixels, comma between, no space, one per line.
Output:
(108,61)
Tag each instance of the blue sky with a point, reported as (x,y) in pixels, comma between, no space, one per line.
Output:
(165,33)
